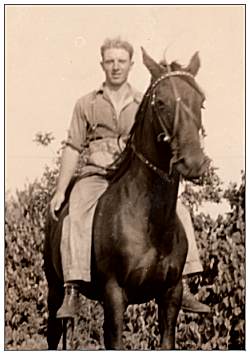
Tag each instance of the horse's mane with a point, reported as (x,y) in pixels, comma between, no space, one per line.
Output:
(175,66)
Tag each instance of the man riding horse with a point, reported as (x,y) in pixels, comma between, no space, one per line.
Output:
(99,118)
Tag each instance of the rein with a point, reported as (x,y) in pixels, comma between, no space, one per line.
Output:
(157,170)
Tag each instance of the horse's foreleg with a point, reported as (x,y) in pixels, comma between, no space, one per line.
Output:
(114,307)
(169,306)
(54,329)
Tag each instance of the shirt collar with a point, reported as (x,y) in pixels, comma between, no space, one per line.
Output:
(136,95)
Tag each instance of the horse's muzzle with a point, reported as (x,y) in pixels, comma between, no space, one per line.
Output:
(193,167)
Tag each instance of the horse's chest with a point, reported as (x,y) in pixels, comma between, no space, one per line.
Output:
(150,275)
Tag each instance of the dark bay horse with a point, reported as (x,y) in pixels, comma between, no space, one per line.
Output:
(139,245)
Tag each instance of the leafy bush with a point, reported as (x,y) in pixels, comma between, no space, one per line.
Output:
(222,285)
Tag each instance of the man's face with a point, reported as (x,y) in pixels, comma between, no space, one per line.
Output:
(116,65)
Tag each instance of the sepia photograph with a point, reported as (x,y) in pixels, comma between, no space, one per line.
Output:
(124,186)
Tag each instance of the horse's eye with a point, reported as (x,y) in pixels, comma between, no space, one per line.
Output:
(163,137)
(203,107)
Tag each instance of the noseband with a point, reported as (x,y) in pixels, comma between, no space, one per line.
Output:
(179,104)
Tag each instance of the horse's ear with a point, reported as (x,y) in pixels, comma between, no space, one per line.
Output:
(194,64)
(154,68)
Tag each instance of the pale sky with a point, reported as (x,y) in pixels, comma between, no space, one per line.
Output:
(52,58)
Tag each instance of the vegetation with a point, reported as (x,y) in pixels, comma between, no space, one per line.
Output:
(222,285)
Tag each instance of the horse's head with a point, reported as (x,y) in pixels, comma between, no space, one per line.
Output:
(176,102)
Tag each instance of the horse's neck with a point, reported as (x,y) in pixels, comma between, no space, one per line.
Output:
(160,196)
(145,142)
(162,193)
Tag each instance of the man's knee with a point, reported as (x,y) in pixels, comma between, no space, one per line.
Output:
(86,193)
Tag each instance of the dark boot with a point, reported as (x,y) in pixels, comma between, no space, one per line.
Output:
(71,301)
(189,303)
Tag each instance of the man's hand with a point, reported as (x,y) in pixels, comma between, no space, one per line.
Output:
(56,203)
(68,166)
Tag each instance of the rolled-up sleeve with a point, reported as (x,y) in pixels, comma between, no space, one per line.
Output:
(77,129)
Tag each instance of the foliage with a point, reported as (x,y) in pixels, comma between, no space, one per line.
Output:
(44,139)
(222,286)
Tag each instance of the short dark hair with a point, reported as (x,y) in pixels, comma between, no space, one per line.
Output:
(117,42)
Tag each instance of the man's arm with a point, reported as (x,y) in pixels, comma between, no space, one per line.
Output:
(69,163)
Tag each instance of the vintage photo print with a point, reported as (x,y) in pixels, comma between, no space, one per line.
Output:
(124,187)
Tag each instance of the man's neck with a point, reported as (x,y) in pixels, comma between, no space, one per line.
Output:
(118,95)
(117,88)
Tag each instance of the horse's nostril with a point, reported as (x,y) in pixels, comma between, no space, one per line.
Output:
(192,162)
(180,161)
(192,166)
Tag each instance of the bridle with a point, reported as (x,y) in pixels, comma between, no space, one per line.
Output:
(178,105)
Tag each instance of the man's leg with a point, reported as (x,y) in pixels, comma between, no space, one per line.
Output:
(77,239)
(193,263)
